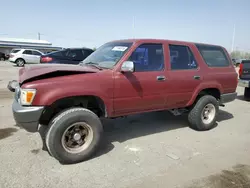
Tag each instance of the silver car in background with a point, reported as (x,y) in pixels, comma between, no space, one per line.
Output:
(25,56)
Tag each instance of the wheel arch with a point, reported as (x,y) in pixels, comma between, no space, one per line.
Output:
(20,58)
(215,91)
(91,102)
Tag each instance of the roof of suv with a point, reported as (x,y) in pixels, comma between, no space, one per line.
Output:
(83,48)
(162,40)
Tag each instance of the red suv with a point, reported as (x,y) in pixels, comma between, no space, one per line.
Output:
(118,79)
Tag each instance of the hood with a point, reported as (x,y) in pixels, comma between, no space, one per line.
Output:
(35,71)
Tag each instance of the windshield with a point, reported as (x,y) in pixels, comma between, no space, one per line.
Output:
(107,55)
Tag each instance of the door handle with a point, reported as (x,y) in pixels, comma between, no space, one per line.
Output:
(197,77)
(161,78)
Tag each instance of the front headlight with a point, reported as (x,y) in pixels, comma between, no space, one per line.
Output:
(27,96)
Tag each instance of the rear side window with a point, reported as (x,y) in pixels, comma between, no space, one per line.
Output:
(36,53)
(182,58)
(75,54)
(58,53)
(29,52)
(14,51)
(86,53)
(214,56)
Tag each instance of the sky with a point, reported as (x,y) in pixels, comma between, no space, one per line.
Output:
(90,23)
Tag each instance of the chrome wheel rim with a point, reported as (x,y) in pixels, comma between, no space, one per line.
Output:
(20,63)
(208,113)
(77,137)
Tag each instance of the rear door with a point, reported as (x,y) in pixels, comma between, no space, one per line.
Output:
(143,89)
(36,56)
(28,56)
(184,75)
(245,70)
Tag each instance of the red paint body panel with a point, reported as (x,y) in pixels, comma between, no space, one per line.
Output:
(129,93)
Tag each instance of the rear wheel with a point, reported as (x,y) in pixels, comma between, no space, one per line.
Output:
(247,93)
(204,113)
(1,59)
(74,135)
(20,62)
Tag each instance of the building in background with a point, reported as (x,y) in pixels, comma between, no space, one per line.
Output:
(7,44)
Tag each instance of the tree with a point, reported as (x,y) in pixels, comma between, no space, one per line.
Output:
(240,55)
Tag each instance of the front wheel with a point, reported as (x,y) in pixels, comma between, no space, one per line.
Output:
(74,135)
(204,113)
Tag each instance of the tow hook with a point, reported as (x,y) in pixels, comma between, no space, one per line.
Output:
(12,85)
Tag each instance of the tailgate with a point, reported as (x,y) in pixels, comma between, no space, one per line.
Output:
(245,70)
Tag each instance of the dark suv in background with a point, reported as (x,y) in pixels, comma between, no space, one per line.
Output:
(3,57)
(66,56)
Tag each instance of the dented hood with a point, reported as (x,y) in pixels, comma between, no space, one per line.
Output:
(32,71)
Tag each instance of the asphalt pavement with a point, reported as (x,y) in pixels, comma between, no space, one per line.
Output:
(142,151)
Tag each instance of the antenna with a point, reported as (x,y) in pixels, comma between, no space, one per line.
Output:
(133,27)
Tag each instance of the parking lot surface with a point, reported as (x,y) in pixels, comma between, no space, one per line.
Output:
(146,151)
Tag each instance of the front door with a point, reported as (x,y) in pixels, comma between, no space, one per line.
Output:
(143,89)
(184,75)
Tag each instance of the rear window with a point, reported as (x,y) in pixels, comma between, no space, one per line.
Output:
(14,51)
(214,56)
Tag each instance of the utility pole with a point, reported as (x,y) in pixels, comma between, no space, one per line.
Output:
(133,27)
(233,39)
(39,36)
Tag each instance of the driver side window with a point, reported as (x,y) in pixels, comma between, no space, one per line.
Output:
(148,57)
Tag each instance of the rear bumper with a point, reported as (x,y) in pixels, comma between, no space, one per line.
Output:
(27,117)
(12,60)
(228,97)
(243,83)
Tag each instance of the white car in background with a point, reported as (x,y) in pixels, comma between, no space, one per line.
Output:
(25,56)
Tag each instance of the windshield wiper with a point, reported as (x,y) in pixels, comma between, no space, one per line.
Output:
(92,64)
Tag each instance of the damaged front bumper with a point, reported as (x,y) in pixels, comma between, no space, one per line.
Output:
(26,117)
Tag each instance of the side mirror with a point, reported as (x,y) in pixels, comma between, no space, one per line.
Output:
(127,66)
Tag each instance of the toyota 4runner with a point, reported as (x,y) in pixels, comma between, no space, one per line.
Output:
(121,78)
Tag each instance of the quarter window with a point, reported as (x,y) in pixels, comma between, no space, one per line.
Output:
(214,56)
(181,58)
(148,57)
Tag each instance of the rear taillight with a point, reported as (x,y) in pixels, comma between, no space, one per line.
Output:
(46,59)
(241,69)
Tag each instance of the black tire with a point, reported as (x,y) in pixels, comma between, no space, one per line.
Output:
(195,115)
(2,59)
(247,93)
(20,62)
(60,123)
